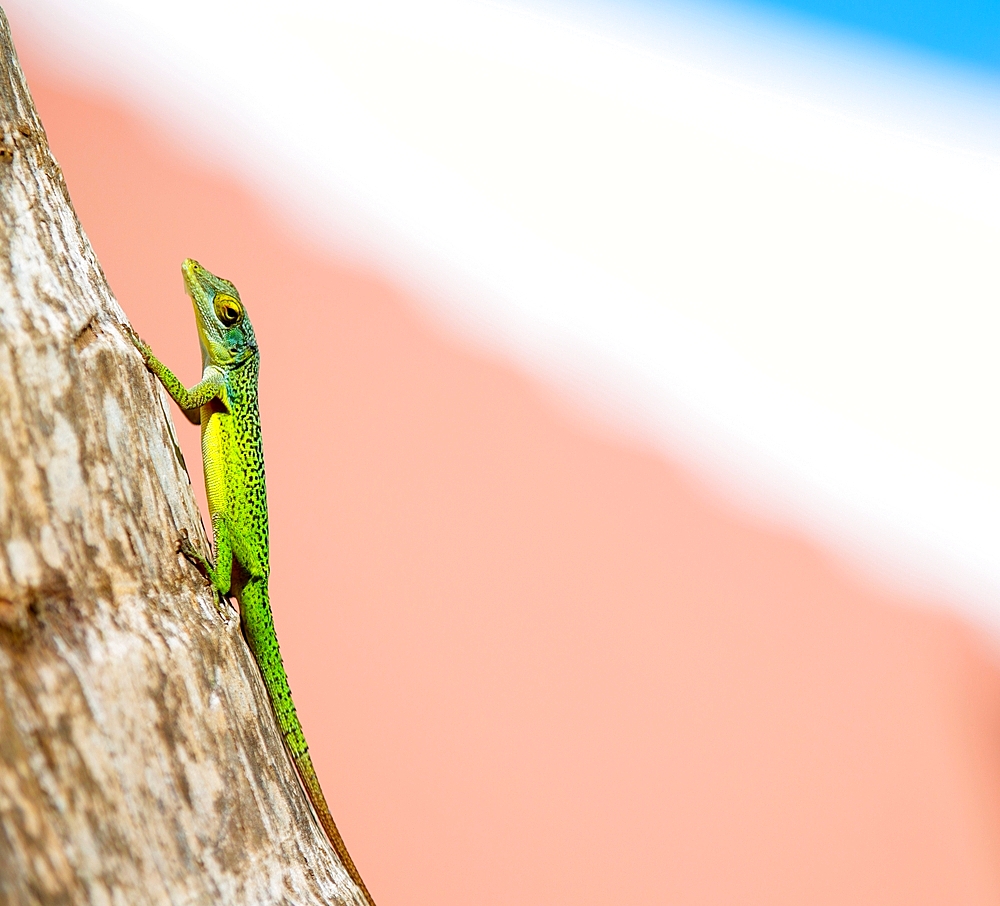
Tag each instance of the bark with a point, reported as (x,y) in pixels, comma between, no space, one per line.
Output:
(139,757)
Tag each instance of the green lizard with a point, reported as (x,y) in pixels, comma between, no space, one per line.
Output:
(224,401)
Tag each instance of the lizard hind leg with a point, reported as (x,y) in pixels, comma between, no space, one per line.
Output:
(220,574)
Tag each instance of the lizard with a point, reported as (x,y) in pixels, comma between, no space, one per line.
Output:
(224,402)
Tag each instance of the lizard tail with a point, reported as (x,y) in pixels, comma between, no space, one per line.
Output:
(316,797)
(258,627)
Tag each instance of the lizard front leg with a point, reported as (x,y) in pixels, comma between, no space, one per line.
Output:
(210,387)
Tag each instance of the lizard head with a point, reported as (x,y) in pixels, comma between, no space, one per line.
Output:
(223,326)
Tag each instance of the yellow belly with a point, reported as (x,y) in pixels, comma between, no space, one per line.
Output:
(213,440)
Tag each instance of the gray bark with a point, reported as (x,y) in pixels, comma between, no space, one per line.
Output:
(139,757)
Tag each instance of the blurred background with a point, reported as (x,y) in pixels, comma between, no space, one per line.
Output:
(630,400)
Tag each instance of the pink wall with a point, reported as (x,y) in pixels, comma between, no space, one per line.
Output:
(574,676)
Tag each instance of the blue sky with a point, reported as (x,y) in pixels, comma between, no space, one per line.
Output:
(964,31)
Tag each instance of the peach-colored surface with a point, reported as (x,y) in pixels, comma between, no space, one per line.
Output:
(569,674)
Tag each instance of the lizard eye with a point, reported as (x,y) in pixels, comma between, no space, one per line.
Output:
(228,309)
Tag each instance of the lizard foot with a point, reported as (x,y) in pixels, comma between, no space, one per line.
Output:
(185,547)
(137,342)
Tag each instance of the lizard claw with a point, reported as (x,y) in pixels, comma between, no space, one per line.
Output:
(222,605)
(137,341)
(185,547)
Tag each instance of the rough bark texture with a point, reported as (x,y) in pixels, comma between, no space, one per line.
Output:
(139,759)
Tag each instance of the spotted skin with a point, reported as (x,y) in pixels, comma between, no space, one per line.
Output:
(224,402)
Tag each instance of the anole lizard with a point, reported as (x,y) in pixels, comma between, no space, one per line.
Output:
(224,401)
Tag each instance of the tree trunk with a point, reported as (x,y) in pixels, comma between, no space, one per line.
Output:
(139,757)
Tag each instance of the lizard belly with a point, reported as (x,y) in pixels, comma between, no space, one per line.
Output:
(214,431)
